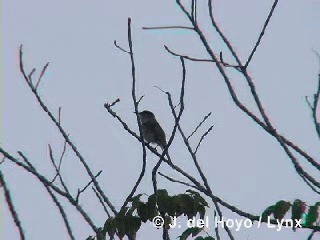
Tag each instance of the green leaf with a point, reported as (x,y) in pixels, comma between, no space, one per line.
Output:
(121,229)
(132,225)
(188,232)
(143,212)
(110,227)
(199,238)
(312,215)
(209,238)
(280,209)
(298,208)
(162,200)
(201,211)
(152,208)
(266,213)
(136,201)
(123,211)
(171,206)
(162,192)
(186,203)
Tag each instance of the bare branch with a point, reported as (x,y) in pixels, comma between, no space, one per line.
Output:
(315,103)
(64,134)
(122,49)
(30,75)
(202,137)
(177,120)
(199,125)
(11,207)
(59,115)
(262,32)
(167,27)
(185,56)
(57,168)
(267,125)
(62,213)
(177,181)
(194,10)
(136,110)
(2,161)
(31,169)
(88,184)
(101,201)
(138,102)
(41,75)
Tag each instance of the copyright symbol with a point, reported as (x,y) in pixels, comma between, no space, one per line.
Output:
(157,221)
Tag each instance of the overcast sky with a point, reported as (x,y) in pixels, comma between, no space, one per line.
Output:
(244,165)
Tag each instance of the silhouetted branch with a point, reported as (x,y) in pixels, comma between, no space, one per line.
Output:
(62,213)
(177,120)
(11,207)
(41,75)
(57,168)
(177,181)
(85,187)
(199,125)
(136,110)
(64,134)
(101,201)
(167,27)
(266,124)
(31,169)
(198,59)
(121,48)
(314,105)
(262,33)
(194,10)
(202,137)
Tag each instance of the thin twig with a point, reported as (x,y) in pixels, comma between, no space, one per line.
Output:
(64,134)
(114,102)
(41,75)
(85,187)
(121,48)
(216,229)
(316,101)
(26,160)
(62,213)
(31,169)
(140,99)
(199,59)
(136,104)
(267,125)
(177,120)
(12,209)
(167,27)
(202,137)
(101,201)
(199,125)
(57,168)
(2,160)
(232,208)
(262,32)
(177,181)
(30,75)
(194,10)
(59,115)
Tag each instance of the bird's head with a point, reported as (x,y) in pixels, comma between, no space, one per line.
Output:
(146,116)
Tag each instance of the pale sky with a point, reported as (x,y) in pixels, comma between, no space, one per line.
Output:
(244,165)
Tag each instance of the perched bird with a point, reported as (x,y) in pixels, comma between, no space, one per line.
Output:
(152,132)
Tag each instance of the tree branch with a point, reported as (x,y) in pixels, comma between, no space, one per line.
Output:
(11,207)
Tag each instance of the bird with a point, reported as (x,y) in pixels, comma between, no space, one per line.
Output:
(152,132)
